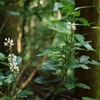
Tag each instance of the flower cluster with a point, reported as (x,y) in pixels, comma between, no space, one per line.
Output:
(12,63)
(71,26)
(9,42)
(11,57)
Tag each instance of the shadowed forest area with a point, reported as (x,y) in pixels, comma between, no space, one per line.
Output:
(49,50)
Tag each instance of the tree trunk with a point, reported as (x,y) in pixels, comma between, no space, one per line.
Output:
(91,76)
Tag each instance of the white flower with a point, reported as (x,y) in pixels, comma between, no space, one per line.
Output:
(71,26)
(14,68)
(12,63)
(12,57)
(9,42)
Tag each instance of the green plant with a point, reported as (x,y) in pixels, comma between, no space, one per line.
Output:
(8,80)
(64,57)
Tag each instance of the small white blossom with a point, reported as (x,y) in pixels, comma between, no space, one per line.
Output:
(12,63)
(12,57)
(14,68)
(71,26)
(9,42)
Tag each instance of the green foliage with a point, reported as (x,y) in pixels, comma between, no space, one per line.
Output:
(64,57)
(18,60)
(2,56)
(12,61)
(24,93)
(5,98)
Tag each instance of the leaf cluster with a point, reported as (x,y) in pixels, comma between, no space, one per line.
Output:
(64,58)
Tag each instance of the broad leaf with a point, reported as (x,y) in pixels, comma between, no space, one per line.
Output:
(47,67)
(80,38)
(9,79)
(2,56)
(88,46)
(81,85)
(40,80)
(84,21)
(58,72)
(57,6)
(84,58)
(69,8)
(70,86)
(2,77)
(50,65)
(18,60)
(61,30)
(76,13)
(84,66)
(72,65)
(24,93)
(95,63)
(71,80)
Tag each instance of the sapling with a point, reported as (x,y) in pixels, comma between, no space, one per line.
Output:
(64,57)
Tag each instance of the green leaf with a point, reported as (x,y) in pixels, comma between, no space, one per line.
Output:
(2,77)
(88,46)
(24,93)
(69,8)
(72,65)
(87,98)
(58,72)
(61,30)
(84,58)
(95,63)
(57,6)
(71,80)
(81,85)
(18,60)
(61,90)
(76,13)
(40,80)
(9,79)
(70,86)
(6,98)
(84,21)
(45,53)
(80,38)
(2,55)
(78,8)
(50,65)
(45,67)
(84,66)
